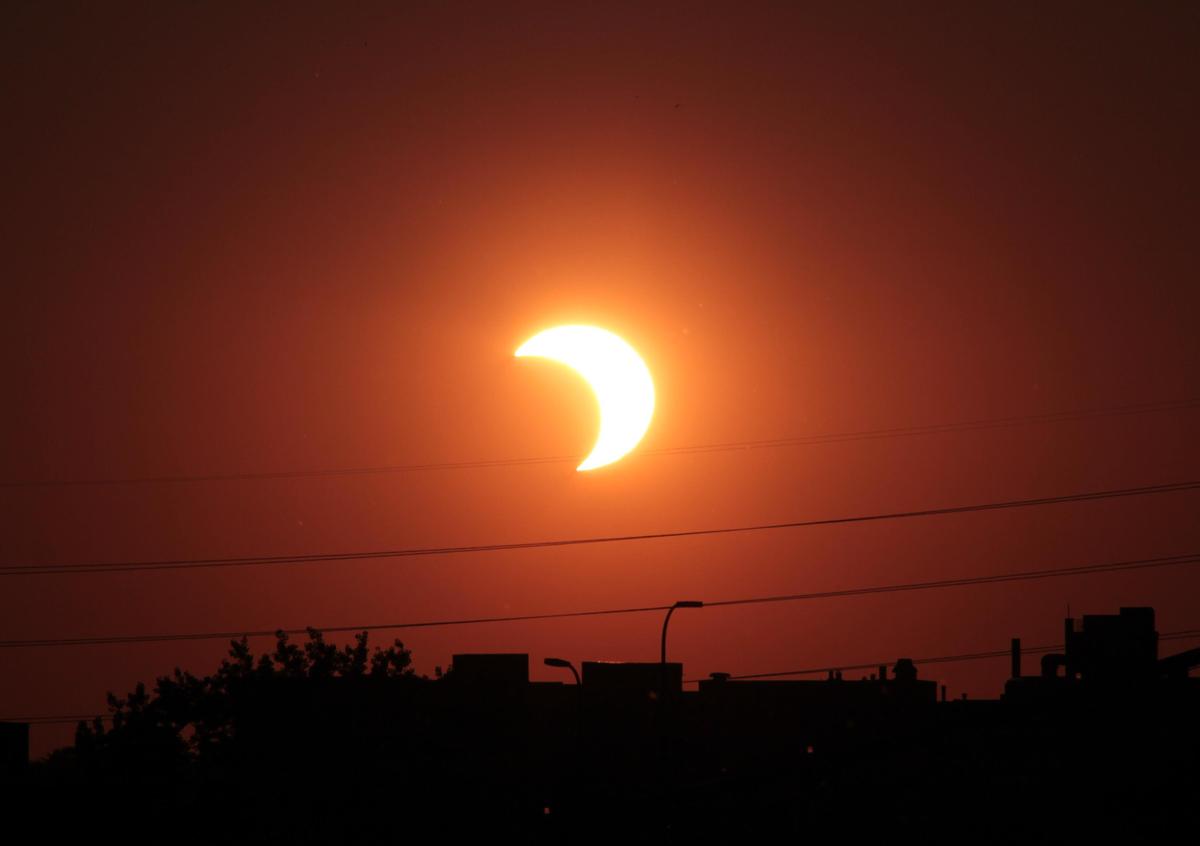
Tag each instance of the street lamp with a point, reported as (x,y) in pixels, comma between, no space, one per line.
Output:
(564,664)
(683,603)
(567,665)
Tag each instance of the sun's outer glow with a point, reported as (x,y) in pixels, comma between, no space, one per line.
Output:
(618,377)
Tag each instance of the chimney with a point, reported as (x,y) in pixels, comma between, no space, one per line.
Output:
(883,672)
(1069,657)
(1016,657)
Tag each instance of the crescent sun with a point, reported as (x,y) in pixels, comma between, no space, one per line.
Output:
(616,374)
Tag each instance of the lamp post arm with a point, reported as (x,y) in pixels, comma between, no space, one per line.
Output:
(666,622)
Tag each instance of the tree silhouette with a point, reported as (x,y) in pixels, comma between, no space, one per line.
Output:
(187,717)
(218,749)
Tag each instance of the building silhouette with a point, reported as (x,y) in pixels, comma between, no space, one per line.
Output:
(14,750)
(1101,742)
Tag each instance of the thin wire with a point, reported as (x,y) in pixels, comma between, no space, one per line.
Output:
(939,659)
(412,552)
(1189,558)
(995,578)
(428,624)
(803,440)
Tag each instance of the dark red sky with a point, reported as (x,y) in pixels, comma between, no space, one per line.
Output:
(254,239)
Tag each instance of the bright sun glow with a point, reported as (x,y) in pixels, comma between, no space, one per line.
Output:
(618,377)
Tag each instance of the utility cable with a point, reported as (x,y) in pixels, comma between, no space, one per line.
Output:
(413,552)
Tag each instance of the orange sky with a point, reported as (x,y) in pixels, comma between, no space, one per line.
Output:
(256,239)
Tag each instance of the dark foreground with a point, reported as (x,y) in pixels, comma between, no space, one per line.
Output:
(1103,743)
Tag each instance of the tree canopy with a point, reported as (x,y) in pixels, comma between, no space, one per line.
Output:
(187,717)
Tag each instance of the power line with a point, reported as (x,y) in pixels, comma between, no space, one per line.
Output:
(938,659)
(801,440)
(412,552)
(941,428)
(426,624)
(1027,575)
(53,719)
(994,578)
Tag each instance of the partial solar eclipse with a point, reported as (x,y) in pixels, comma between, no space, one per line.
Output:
(616,374)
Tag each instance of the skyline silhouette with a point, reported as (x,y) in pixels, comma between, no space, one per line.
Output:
(626,747)
(906,301)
